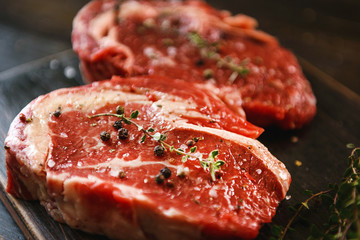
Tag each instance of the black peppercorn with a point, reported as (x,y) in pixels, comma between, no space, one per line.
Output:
(190,143)
(123,133)
(199,62)
(159,150)
(166,172)
(57,113)
(120,110)
(117,124)
(105,136)
(159,179)
(122,174)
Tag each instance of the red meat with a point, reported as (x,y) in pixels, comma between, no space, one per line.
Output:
(108,184)
(192,41)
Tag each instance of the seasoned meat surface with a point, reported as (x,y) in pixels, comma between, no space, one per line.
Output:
(122,185)
(190,40)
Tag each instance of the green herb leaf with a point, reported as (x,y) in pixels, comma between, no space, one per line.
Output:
(197,40)
(218,164)
(276,230)
(213,154)
(243,71)
(343,205)
(127,121)
(179,150)
(204,164)
(163,137)
(350,145)
(209,163)
(134,114)
(193,149)
(184,158)
(210,51)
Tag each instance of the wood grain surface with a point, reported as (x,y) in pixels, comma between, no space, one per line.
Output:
(323,34)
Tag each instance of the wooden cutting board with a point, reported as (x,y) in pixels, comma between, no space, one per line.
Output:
(320,146)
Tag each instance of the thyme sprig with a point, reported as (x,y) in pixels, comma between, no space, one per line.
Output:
(343,202)
(207,164)
(210,51)
(281,231)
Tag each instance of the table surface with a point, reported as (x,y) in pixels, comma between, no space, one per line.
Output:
(325,33)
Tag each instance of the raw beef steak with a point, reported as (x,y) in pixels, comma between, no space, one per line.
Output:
(192,41)
(176,167)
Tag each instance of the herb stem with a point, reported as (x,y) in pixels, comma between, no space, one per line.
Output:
(346,229)
(141,129)
(344,221)
(210,51)
(107,114)
(209,163)
(283,233)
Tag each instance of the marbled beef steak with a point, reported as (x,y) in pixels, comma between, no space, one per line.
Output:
(195,42)
(103,179)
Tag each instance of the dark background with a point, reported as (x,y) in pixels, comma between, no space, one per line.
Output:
(326,33)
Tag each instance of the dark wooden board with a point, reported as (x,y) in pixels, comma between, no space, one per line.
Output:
(320,147)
